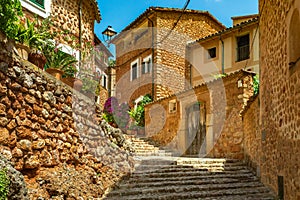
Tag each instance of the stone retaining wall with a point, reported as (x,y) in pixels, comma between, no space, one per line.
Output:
(252,135)
(51,134)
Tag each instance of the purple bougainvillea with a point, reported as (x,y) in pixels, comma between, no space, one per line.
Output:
(115,113)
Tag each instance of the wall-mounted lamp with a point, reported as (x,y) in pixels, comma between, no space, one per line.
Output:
(109,32)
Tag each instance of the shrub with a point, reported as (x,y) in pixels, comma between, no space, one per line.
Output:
(138,114)
(10,11)
(117,114)
(256,84)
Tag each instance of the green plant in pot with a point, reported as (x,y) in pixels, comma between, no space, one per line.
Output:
(70,79)
(43,37)
(58,61)
(25,38)
(32,38)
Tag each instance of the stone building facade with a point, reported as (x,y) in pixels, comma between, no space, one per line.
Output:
(159,71)
(229,50)
(73,21)
(276,152)
(203,121)
(73,24)
(103,72)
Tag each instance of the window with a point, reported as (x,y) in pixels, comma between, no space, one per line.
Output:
(40,3)
(134,70)
(172,106)
(212,52)
(147,65)
(104,81)
(40,7)
(243,49)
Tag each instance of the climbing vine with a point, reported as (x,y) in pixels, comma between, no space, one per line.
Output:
(256,84)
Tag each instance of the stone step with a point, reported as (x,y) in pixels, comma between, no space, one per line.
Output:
(141,147)
(145,148)
(179,168)
(190,173)
(191,191)
(265,196)
(198,181)
(141,180)
(152,154)
(159,175)
(146,153)
(149,150)
(155,161)
(197,196)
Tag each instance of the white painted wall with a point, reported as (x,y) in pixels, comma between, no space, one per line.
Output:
(256,46)
(228,52)
(202,67)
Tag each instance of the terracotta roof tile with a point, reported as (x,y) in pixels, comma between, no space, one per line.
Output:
(97,10)
(163,9)
(245,16)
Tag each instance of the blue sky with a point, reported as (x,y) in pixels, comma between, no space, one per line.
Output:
(119,13)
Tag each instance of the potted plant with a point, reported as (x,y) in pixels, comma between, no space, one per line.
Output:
(30,41)
(25,38)
(57,60)
(70,79)
(41,39)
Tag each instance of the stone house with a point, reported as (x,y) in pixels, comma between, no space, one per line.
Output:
(159,71)
(204,120)
(72,20)
(272,119)
(103,73)
(226,51)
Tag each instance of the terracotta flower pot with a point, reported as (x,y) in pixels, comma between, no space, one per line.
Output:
(37,59)
(73,82)
(57,73)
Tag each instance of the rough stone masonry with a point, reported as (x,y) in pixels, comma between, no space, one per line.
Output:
(52,135)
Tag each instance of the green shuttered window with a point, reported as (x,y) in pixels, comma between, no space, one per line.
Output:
(40,3)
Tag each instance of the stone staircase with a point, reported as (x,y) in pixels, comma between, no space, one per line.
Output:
(143,148)
(189,178)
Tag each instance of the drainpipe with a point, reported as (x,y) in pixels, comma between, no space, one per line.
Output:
(223,68)
(152,56)
(188,55)
(191,77)
(79,24)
